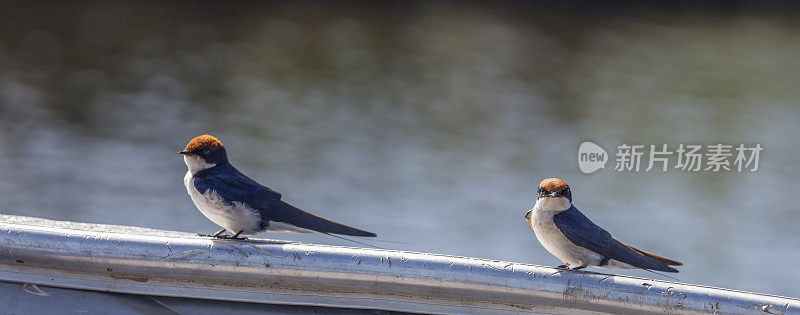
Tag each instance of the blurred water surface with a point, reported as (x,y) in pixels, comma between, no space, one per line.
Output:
(430,124)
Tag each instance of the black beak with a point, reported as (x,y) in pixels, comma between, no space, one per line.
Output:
(184,152)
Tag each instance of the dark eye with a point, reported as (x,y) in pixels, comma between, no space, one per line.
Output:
(206,152)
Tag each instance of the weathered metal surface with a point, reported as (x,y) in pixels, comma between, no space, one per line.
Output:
(163,263)
(16,298)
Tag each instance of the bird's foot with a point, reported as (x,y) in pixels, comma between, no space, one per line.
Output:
(236,236)
(567,267)
(221,236)
(216,235)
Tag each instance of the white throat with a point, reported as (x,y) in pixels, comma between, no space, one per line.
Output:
(553,204)
(196,163)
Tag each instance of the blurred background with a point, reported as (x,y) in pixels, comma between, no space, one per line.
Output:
(429,123)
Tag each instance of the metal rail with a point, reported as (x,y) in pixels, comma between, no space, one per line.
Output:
(164,263)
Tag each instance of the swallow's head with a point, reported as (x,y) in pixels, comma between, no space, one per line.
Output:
(203,152)
(554,193)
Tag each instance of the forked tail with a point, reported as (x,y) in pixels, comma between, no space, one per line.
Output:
(283,212)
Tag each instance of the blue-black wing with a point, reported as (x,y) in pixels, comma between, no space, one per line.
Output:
(232,185)
(583,232)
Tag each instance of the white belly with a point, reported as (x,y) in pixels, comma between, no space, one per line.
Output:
(233,217)
(541,222)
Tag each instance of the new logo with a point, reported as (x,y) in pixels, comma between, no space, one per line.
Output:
(591,157)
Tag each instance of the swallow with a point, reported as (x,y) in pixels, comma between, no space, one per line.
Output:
(239,204)
(574,239)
